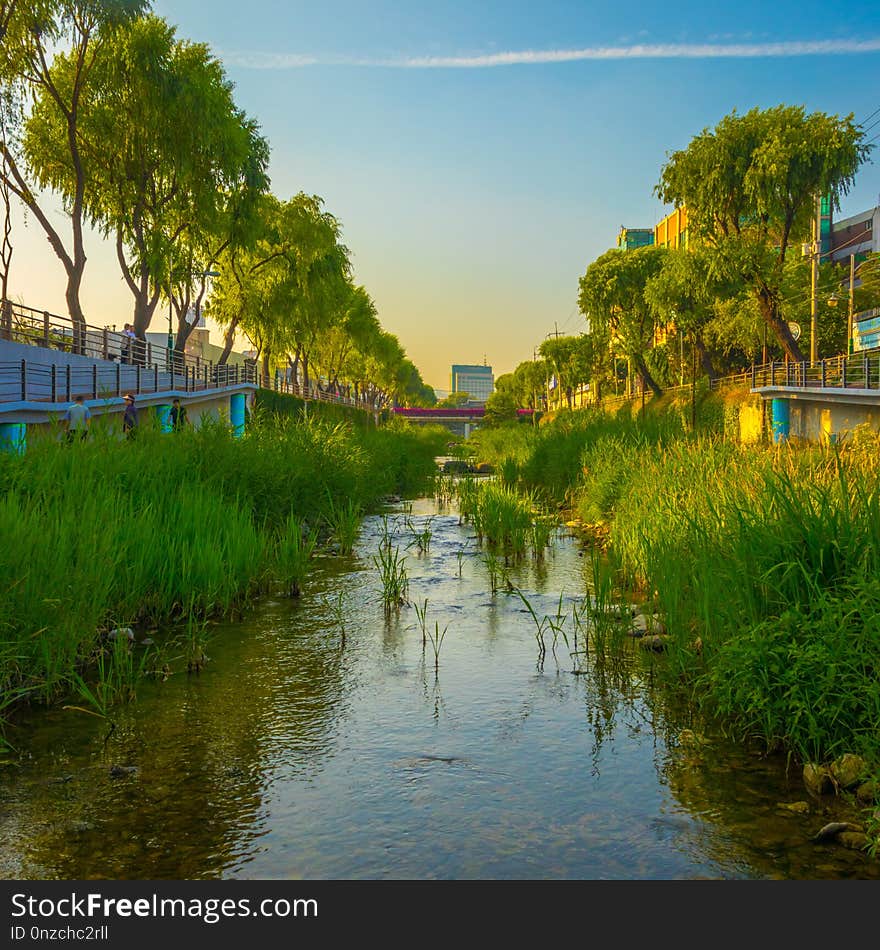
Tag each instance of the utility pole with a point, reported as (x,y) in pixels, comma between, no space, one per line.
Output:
(814,276)
(852,295)
(556,334)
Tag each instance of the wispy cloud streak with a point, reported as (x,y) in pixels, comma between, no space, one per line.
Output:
(280,61)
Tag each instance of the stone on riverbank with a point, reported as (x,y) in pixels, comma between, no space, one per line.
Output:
(848,770)
(655,642)
(854,840)
(817,779)
(797,808)
(868,792)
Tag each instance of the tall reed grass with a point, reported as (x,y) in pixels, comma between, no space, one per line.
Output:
(166,528)
(762,560)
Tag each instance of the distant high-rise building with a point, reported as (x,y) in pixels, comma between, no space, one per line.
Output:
(477,381)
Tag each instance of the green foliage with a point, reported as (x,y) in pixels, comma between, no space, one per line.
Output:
(807,677)
(152,174)
(501,407)
(763,563)
(750,186)
(613,298)
(391,565)
(343,520)
(103,535)
(509,522)
(453,401)
(576,360)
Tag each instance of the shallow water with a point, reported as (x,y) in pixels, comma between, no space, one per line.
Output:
(294,754)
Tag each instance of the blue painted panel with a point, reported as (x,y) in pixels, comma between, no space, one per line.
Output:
(236,414)
(780,415)
(13,437)
(163,414)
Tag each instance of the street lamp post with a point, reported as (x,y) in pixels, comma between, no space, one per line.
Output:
(814,276)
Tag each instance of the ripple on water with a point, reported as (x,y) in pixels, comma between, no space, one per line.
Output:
(292,756)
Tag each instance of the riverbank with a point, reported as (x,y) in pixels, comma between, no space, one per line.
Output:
(759,561)
(103,537)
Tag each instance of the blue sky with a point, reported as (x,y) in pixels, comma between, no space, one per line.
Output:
(480,155)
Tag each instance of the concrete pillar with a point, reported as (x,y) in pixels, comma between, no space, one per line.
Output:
(236,414)
(163,415)
(780,419)
(467,429)
(13,437)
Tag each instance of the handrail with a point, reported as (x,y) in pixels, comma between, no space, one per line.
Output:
(316,393)
(22,324)
(28,381)
(137,365)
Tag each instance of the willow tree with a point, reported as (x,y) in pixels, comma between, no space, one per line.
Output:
(684,293)
(11,24)
(751,187)
(319,289)
(231,223)
(33,31)
(612,297)
(289,287)
(339,346)
(162,146)
(530,380)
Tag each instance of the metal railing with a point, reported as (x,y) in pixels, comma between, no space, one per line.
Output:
(25,325)
(60,382)
(859,371)
(316,392)
(128,365)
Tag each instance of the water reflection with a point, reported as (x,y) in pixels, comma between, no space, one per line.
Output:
(296,753)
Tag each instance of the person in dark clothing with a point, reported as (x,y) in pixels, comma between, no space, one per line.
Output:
(178,416)
(129,417)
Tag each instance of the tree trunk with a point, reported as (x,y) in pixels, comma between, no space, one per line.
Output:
(144,308)
(646,377)
(267,355)
(184,327)
(769,307)
(228,342)
(74,307)
(6,243)
(705,360)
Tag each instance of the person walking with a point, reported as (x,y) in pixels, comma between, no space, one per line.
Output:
(77,420)
(129,417)
(127,339)
(179,418)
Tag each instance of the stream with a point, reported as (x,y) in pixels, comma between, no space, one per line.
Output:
(320,742)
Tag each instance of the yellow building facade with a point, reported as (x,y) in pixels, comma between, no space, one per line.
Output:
(672,230)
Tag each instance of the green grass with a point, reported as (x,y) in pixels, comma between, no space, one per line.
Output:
(163,530)
(763,562)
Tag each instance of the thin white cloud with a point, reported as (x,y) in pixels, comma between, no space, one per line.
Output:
(261,60)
